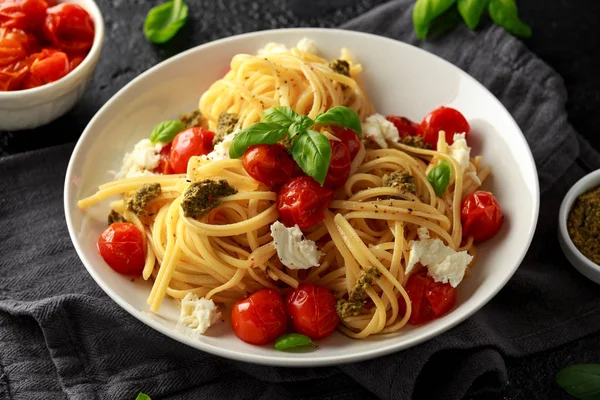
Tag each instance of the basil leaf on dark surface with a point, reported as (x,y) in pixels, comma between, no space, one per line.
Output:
(471,11)
(166,131)
(280,115)
(340,116)
(142,396)
(259,133)
(312,153)
(292,340)
(164,21)
(439,177)
(426,11)
(301,124)
(581,381)
(506,14)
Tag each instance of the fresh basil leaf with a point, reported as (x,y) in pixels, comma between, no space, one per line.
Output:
(292,340)
(340,116)
(301,124)
(259,133)
(471,11)
(312,153)
(506,14)
(166,131)
(426,11)
(439,177)
(280,115)
(444,24)
(165,20)
(142,396)
(581,380)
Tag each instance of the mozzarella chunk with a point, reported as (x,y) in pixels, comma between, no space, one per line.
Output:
(272,48)
(379,130)
(307,45)
(221,150)
(460,151)
(197,315)
(141,161)
(293,250)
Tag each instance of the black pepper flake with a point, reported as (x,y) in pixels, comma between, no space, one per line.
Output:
(410,210)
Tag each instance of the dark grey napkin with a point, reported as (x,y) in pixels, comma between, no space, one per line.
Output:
(61,337)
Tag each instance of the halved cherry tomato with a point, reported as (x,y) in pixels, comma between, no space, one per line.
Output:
(75,60)
(481,216)
(312,311)
(339,166)
(260,318)
(122,247)
(11,50)
(69,27)
(29,41)
(405,126)
(268,163)
(445,119)
(164,167)
(12,76)
(302,201)
(429,299)
(49,65)
(22,14)
(191,142)
(348,137)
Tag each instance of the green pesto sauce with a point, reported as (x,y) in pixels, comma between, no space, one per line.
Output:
(203,196)
(341,67)
(192,119)
(415,141)
(142,197)
(346,308)
(225,125)
(114,216)
(401,180)
(583,224)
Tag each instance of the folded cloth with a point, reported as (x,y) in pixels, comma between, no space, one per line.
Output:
(62,337)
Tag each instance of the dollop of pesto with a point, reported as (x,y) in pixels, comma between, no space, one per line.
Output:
(203,196)
(142,197)
(340,66)
(225,125)
(416,141)
(191,119)
(114,216)
(346,308)
(583,224)
(401,180)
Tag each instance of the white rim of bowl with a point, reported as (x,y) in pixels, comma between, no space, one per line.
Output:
(72,77)
(293,362)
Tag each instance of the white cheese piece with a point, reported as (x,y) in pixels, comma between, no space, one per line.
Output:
(197,315)
(272,48)
(221,150)
(460,151)
(443,263)
(293,250)
(141,161)
(307,45)
(379,130)
(423,233)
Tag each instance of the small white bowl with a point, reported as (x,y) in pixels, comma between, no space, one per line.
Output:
(583,264)
(30,108)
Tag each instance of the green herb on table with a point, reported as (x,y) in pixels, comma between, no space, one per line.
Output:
(142,396)
(502,12)
(439,177)
(309,148)
(165,20)
(581,381)
(293,340)
(166,131)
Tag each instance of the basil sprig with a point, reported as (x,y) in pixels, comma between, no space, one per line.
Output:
(292,340)
(166,131)
(439,177)
(581,381)
(165,20)
(310,149)
(502,12)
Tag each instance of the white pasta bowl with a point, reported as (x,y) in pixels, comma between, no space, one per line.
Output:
(411,82)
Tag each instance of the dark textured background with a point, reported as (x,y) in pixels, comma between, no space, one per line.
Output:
(566,36)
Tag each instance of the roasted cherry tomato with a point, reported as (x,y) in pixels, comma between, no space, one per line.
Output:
(260,318)
(349,138)
(339,166)
(49,65)
(22,14)
(164,167)
(75,60)
(268,163)
(191,142)
(11,50)
(429,299)
(311,309)
(405,126)
(444,119)
(302,201)
(481,216)
(12,76)
(69,27)
(122,247)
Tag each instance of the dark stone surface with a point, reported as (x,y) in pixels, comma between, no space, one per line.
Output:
(566,36)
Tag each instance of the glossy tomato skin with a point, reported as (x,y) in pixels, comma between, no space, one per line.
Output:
(13,75)
(164,166)
(339,166)
(121,245)
(269,164)
(405,126)
(448,119)
(12,48)
(49,65)
(311,309)
(69,28)
(191,142)
(481,216)
(429,299)
(348,137)
(22,14)
(260,318)
(303,202)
